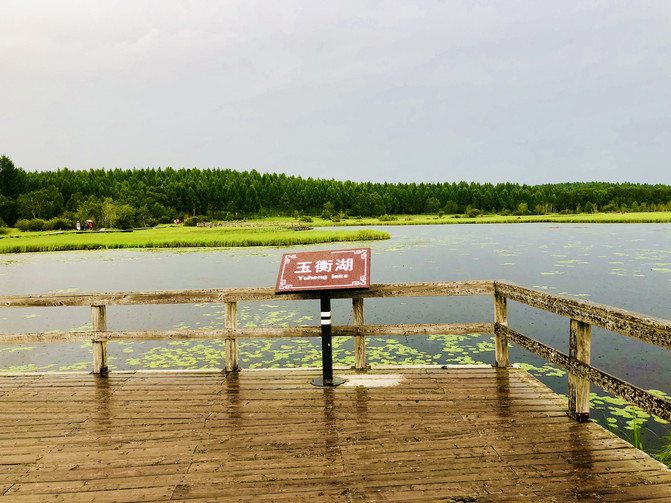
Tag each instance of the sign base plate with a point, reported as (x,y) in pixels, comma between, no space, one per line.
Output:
(319,381)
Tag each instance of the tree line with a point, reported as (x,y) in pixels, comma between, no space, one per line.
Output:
(146,197)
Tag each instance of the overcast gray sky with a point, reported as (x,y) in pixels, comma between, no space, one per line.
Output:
(487,91)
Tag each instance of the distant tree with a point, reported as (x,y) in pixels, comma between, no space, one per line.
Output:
(43,203)
(8,211)
(166,194)
(451,208)
(472,212)
(432,205)
(328,210)
(191,201)
(125,217)
(522,209)
(252,202)
(109,210)
(90,209)
(143,215)
(12,179)
(285,204)
(369,204)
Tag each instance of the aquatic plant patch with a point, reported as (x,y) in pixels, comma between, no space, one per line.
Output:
(182,237)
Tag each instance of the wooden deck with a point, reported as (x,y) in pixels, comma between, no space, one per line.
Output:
(424,434)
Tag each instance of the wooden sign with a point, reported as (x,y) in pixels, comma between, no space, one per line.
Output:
(324,270)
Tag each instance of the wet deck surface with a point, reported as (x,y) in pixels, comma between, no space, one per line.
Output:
(468,434)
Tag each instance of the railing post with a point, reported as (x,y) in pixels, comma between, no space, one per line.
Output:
(501,342)
(359,340)
(580,345)
(231,343)
(99,324)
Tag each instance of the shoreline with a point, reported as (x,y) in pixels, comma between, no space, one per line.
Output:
(583,218)
(280,231)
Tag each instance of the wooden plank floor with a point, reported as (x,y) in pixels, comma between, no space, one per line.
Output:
(422,434)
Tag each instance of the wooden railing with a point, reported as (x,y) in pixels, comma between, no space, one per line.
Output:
(582,315)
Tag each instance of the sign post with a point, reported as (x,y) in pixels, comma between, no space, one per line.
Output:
(327,378)
(325,271)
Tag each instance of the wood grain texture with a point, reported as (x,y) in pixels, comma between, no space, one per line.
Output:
(251,333)
(500,342)
(449,288)
(580,347)
(472,434)
(359,340)
(638,326)
(633,394)
(231,343)
(99,324)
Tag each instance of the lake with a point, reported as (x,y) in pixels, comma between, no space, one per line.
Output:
(622,265)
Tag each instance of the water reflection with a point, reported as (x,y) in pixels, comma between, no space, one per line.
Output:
(330,428)
(231,395)
(580,461)
(103,412)
(503,393)
(361,401)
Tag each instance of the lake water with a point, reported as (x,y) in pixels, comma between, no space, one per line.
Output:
(622,265)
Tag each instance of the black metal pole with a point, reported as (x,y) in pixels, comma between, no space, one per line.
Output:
(327,378)
(327,351)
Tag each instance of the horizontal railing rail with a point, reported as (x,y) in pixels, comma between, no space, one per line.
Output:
(582,314)
(646,328)
(244,295)
(249,333)
(639,397)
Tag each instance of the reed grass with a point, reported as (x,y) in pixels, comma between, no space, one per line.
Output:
(581,218)
(664,454)
(181,237)
(636,437)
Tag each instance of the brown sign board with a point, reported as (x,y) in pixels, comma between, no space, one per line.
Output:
(324,270)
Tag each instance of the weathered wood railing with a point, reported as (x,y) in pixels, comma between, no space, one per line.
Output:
(582,315)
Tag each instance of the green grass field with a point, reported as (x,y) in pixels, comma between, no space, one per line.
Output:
(597,218)
(275,232)
(179,237)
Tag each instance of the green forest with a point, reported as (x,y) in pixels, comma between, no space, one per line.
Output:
(147,197)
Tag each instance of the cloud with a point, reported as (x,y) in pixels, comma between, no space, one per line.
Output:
(399,91)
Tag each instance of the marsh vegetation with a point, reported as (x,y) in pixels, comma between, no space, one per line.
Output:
(181,237)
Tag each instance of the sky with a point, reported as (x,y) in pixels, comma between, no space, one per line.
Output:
(385,91)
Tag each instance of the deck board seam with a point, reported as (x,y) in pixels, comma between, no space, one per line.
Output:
(452,443)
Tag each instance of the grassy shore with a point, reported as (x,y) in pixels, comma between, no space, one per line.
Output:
(581,218)
(179,237)
(276,231)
